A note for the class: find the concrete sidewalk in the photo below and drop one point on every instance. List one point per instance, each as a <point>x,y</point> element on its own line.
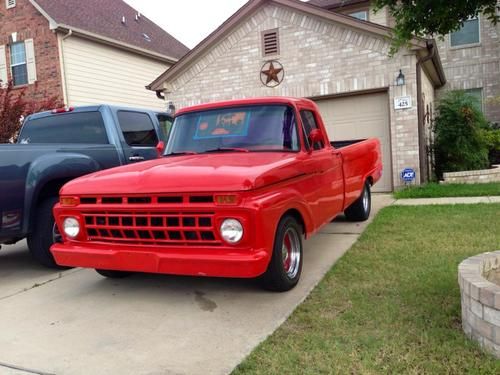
<point>451,200</point>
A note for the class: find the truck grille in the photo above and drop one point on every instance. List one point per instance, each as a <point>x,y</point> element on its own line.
<point>152,228</point>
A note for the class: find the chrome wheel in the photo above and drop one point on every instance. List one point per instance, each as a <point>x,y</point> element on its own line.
<point>290,252</point>
<point>56,235</point>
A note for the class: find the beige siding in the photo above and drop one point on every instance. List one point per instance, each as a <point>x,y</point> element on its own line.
<point>380,17</point>
<point>96,73</point>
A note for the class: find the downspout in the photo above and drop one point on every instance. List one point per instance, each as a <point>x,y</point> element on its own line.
<point>63,66</point>
<point>424,168</point>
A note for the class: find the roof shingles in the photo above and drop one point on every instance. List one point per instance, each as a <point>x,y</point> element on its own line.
<point>104,18</point>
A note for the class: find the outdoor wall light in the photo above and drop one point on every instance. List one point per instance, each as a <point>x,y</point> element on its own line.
<point>400,80</point>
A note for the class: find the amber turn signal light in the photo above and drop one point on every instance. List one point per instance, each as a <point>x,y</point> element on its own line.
<point>69,201</point>
<point>227,200</point>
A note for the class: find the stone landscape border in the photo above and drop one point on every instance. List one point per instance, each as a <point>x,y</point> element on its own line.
<point>473,177</point>
<point>481,300</point>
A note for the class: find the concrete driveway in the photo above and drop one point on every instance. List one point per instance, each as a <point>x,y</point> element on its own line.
<point>76,322</point>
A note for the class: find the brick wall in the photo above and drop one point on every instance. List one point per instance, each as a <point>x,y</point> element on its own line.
<point>30,24</point>
<point>320,58</point>
<point>476,66</point>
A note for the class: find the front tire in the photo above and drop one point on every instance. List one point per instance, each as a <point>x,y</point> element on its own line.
<point>360,209</point>
<point>285,266</point>
<point>44,234</point>
<point>112,274</point>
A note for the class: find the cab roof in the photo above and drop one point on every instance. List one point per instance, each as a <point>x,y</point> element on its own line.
<point>244,102</point>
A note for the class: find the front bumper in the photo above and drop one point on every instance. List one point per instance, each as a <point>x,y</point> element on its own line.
<point>193,261</point>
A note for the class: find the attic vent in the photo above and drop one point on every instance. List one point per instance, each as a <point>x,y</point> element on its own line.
<point>270,42</point>
<point>146,37</point>
<point>10,3</point>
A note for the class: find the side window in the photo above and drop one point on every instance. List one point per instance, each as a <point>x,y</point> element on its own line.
<point>81,127</point>
<point>137,128</point>
<point>309,124</point>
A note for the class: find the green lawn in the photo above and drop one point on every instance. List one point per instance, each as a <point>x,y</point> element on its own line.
<point>433,190</point>
<point>391,305</point>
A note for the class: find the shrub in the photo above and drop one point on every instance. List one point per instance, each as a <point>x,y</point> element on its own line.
<point>491,137</point>
<point>14,108</point>
<point>459,141</point>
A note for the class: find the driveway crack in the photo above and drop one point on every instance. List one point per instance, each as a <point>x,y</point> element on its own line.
<point>24,369</point>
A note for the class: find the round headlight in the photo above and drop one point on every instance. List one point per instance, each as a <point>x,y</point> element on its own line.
<point>231,230</point>
<point>71,227</point>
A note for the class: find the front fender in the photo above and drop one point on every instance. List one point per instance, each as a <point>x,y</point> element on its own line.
<point>53,167</point>
<point>275,204</point>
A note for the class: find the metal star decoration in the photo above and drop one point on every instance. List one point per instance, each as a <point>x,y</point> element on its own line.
<point>272,73</point>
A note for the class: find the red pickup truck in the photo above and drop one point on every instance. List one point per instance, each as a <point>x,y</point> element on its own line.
<point>241,182</point>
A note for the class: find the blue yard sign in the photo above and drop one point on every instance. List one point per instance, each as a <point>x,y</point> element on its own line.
<point>408,175</point>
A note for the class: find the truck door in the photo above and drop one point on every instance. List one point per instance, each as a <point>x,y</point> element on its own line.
<point>327,165</point>
<point>139,135</point>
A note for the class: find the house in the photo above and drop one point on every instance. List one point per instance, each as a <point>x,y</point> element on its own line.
<point>293,48</point>
<point>470,56</point>
<point>83,51</point>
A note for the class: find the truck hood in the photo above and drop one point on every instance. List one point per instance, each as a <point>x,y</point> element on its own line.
<point>221,172</point>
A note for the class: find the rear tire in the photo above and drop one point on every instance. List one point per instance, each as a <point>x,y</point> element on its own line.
<point>360,209</point>
<point>44,234</point>
<point>112,274</point>
<point>285,266</point>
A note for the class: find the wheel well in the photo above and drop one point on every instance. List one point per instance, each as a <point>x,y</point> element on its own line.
<point>297,216</point>
<point>51,189</point>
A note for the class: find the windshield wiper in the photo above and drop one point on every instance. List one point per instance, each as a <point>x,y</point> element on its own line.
<point>181,153</point>
<point>227,149</point>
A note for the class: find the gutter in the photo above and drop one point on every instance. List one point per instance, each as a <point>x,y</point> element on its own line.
<point>422,151</point>
<point>63,66</point>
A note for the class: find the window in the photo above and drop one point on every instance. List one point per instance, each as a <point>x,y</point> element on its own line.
<point>252,128</point>
<point>360,15</point>
<point>18,64</point>
<point>477,94</point>
<point>10,4</point>
<point>270,42</point>
<point>468,34</point>
<point>166,122</point>
<point>309,124</point>
<point>81,127</point>
<point>138,129</point>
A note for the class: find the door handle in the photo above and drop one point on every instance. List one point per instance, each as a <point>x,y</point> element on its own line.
<point>136,158</point>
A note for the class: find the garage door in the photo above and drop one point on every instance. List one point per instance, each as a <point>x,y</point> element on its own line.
<point>359,117</point>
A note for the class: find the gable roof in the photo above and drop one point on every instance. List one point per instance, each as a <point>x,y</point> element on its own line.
<point>103,20</point>
<point>249,8</point>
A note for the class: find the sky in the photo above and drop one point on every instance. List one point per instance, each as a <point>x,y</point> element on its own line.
<point>189,21</point>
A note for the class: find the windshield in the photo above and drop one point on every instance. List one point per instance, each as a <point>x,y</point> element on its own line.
<point>250,128</point>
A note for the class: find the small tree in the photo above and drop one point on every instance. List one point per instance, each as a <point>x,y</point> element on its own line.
<point>14,108</point>
<point>459,144</point>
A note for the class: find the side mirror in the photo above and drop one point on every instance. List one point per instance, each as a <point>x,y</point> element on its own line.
<point>160,148</point>
<point>315,136</point>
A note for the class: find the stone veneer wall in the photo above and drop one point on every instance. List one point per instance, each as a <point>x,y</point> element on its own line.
<point>320,57</point>
<point>479,278</point>
<point>473,177</point>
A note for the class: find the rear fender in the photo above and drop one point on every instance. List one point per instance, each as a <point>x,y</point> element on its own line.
<point>53,168</point>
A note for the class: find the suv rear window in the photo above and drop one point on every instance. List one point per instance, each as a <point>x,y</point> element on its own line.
<point>137,128</point>
<point>80,127</point>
